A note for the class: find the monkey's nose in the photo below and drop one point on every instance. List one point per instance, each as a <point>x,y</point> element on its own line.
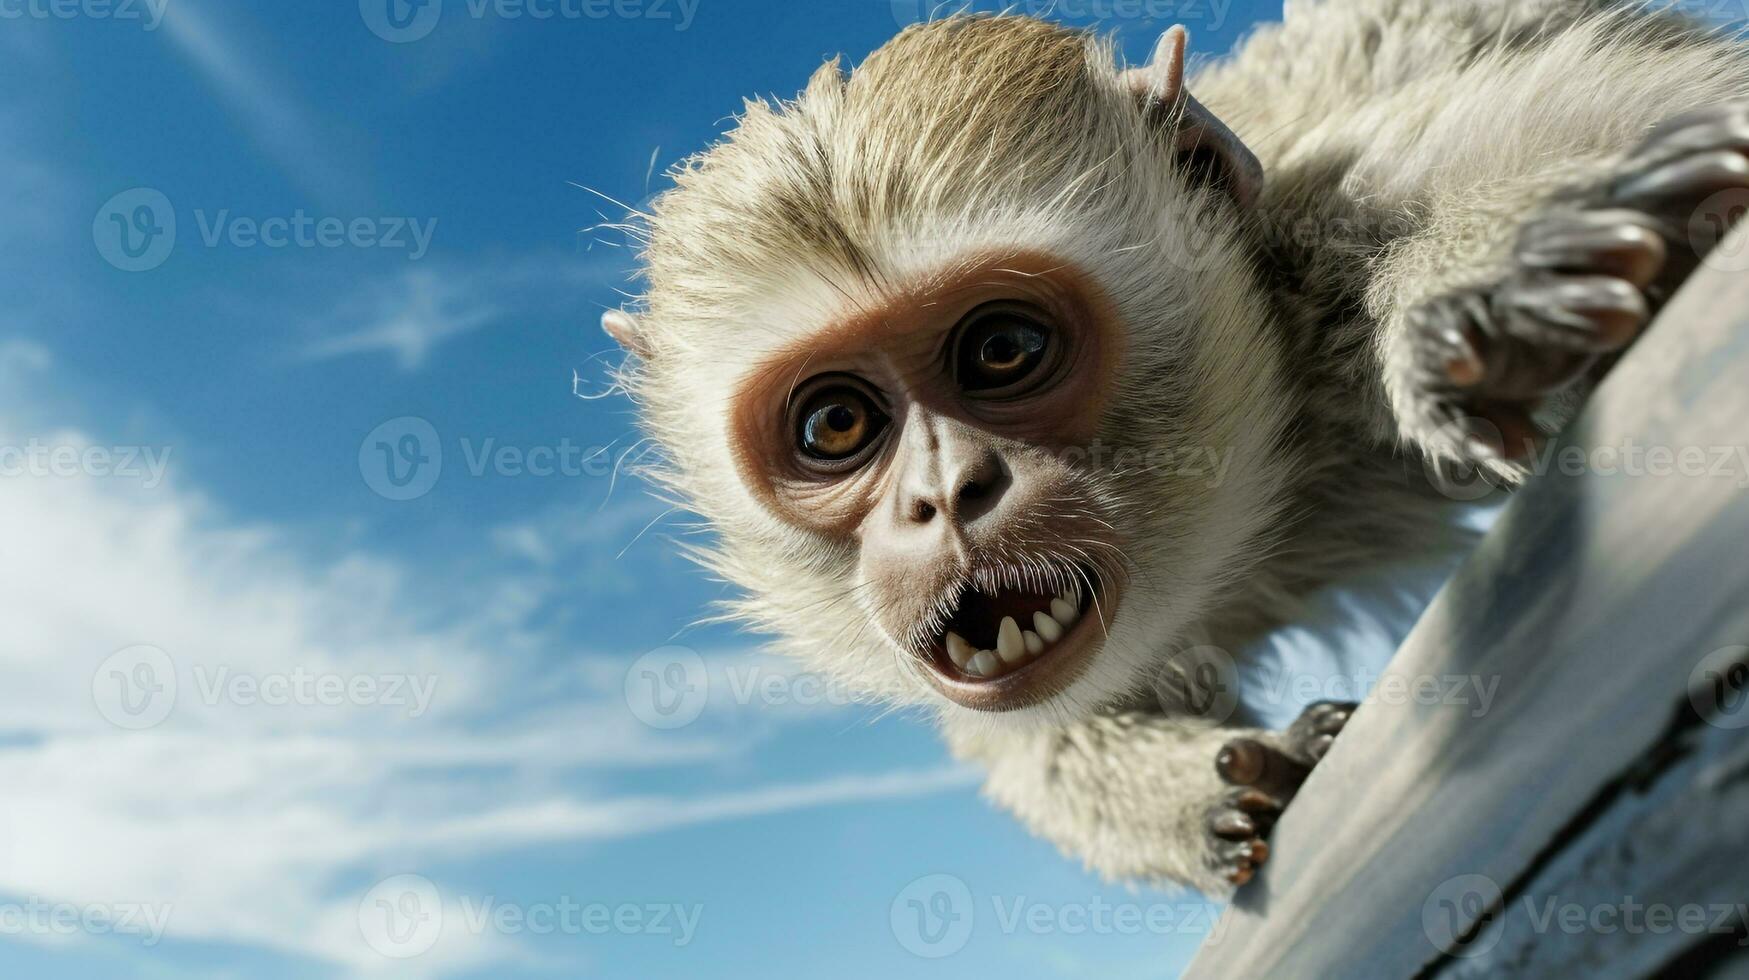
<point>973,491</point>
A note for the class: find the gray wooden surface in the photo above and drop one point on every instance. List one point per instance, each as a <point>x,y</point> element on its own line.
<point>1607,772</point>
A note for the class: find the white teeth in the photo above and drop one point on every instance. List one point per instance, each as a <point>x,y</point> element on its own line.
<point>1009,645</point>
<point>1015,645</point>
<point>1048,629</point>
<point>959,651</point>
<point>985,664</point>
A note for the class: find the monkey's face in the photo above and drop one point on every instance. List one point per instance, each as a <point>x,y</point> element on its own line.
<point>944,437</point>
<point>969,370</point>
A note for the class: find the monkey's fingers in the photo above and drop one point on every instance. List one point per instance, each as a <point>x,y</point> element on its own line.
<point>1250,763</point>
<point>1618,242</point>
<point>1244,858</point>
<point>1239,822</point>
<point>1315,731</point>
<point>1691,177</point>
<point>1558,316</point>
<point>1681,138</point>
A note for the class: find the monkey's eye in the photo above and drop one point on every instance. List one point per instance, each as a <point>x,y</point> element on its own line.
<point>838,420</point>
<point>1000,346</point>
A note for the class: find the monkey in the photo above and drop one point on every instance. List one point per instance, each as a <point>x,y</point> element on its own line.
<point>913,343</point>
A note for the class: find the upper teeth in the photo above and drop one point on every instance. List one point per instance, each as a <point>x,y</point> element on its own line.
<point>1016,646</point>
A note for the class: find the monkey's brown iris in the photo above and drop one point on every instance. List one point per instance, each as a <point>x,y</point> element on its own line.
<point>837,423</point>
<point>1000,346</point>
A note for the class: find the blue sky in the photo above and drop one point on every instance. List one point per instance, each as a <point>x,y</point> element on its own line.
<point>272,684</point>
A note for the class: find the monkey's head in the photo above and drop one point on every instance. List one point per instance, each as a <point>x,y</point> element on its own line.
<point>964,359</point>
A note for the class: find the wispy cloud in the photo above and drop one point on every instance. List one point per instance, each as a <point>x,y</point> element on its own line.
<point>262,104</point>
<point>409,314</point>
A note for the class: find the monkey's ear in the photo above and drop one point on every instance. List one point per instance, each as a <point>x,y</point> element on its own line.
<point>1205,144</point>
<point>624,329</point>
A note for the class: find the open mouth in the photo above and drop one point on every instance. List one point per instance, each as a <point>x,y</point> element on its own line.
<point>1010,647</point>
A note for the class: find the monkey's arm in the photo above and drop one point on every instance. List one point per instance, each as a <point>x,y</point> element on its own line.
<point>1144,796</point>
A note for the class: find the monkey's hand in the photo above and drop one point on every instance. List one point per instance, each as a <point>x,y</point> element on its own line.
<point>1584,280</point>
<point>1263,776</point>
<point>1145,796</point>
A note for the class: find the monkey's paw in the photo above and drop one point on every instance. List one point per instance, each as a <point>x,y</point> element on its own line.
<point>1264,777</point>
<point>1584,281</point>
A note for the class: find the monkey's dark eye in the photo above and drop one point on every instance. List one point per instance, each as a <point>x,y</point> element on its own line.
<point>837,421</point>
<point>1000,346</point>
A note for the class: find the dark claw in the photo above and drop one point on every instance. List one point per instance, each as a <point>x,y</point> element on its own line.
<point>1232,825</point>
<point>1255,801</point>
<point>1252,851</point>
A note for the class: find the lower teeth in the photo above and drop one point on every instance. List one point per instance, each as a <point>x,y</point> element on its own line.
<point>1016,647</point>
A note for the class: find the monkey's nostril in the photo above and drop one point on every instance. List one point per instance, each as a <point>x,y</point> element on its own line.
<point>973,490</point>
<point>922,511</point>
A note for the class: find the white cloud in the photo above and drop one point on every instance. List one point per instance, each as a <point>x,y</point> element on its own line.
<point>254,821</point>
